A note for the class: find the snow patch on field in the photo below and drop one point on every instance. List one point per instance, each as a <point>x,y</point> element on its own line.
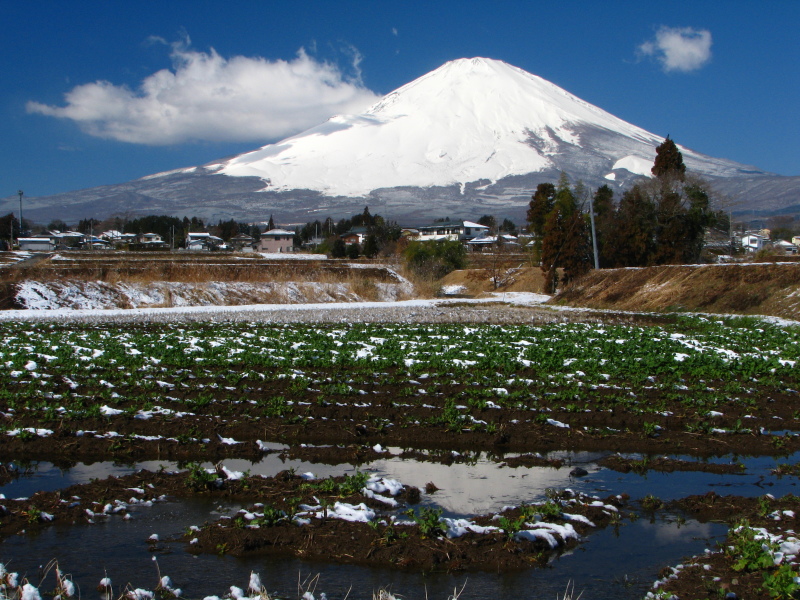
<point>92,295</point>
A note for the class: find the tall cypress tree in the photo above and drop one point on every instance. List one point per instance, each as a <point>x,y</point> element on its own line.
<point>632,239</point>
<point>565,240</point>
<point>669,161</point>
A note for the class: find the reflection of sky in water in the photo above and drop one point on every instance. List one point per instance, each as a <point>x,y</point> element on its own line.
<point>618,564</point>
<point>478,488</point>
<point>614,563</point>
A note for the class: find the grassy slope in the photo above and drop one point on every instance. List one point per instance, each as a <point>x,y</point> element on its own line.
<point>760,288</point>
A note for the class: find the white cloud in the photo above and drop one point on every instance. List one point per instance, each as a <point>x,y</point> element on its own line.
<point>679,48</point>
<point>207,97</point>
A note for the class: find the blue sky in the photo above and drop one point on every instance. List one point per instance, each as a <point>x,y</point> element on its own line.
<point>94,93</point>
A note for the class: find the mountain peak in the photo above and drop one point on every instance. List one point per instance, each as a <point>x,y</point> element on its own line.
<point>470,120</point>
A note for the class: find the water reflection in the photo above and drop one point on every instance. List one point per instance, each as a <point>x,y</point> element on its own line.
<point>477,487</point>
<point>614,563</point>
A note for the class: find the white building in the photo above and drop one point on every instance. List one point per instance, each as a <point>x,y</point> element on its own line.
<point>754,242</point>
<point>452,231</point>
<point>36,244</point>
<point>199,241</point>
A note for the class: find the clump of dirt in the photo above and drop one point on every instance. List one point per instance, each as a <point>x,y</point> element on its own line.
<point>265,529</point>
<point>532,460</point>
<point>747,288</point>
<point>664,464</point>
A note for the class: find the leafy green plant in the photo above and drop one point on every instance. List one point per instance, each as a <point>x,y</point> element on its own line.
<point>651,502</point>
<point>510,527</point>
<point>199,478</point>
<point>781,583</point>
<point>749,552</point>
<point>650,429</point>
<point>25,435</point>
<point>428,520</point>
<point>549,510</point>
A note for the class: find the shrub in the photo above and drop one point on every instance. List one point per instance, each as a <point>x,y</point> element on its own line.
<point>433,260</point>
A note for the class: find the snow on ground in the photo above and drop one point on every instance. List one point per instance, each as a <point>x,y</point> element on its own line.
<point>93,295</point>
<point>255,310</point>
<point>290,256</point>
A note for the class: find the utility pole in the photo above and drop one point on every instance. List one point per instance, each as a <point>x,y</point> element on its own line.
<point>20,192</point>
<point>594,234</point>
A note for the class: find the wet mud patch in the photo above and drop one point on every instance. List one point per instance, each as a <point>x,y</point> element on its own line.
<point>758,559</point>
<point>518,538</point>
<point>665,464</point>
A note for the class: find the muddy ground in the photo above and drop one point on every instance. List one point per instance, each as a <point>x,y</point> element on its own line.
<point>329,433</point>
<point>393,540</point>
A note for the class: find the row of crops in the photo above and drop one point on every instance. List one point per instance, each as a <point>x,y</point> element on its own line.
<point>449,375</point>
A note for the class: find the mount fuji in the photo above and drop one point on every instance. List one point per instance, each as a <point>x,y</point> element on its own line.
<point>472,137</point>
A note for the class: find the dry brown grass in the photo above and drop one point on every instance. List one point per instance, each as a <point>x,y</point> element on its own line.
<point>513,279</point>
<point>771,289</point>
<point>269,281</point>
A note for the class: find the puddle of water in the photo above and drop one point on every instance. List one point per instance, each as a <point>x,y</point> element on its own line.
<point>611,564</point>
<point>475,488</point>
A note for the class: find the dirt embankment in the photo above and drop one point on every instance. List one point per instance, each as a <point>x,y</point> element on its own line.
<point>751,288</point>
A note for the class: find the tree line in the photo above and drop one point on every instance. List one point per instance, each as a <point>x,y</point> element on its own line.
<point>380,235</point>
<point>659,221</point>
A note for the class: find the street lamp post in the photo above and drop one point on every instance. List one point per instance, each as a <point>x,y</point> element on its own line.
<point>20,215</point>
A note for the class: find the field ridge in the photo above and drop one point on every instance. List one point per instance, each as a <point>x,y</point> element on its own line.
<point>746,288</point>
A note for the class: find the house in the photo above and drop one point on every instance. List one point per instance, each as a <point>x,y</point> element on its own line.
<point>150,238</point>
<point>787,247</point>
<point>242,243</point>
<point>200,241</point>
<point>66,239</point>
<point>796,240</point>
<point>36,244</point>
<point>452,230</point>
<point>356,235</point>
<point>486,241</point>
<point>117,238</point>
<point>754,242</point>
<point>94,243</point>
<point>276,240</point>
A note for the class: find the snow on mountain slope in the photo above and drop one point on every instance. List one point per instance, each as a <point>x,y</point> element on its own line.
<point>469,120</point>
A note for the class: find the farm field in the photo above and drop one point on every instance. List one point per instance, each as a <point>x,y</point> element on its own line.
<point>583,427</point>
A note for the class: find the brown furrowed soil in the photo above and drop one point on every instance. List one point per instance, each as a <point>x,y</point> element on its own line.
<point>340,413</point>
<point>747,288</point>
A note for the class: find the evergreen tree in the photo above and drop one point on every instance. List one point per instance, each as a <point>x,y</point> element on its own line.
<point>509,227</point>
<point>339,249</point>
<point>632,239</point>
<point>669,161</point>
<point>540,206</point>
<point>9,227</point>
<point>270,224</point>
<point>488,221</point>
<point>353,251</point>
<point>565,240</point>
<point>603,205</point>
<point>371,247</point>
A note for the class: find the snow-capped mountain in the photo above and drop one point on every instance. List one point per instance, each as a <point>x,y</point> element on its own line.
<point>473,137</point>
<point>468,121</point>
